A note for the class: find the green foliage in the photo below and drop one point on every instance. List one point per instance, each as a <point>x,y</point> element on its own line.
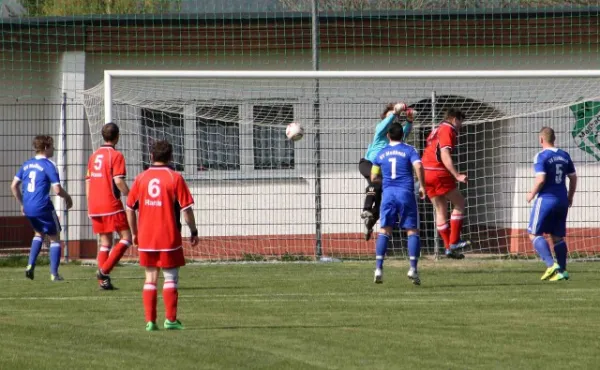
<point>369,5</point>
<point>91,7</point>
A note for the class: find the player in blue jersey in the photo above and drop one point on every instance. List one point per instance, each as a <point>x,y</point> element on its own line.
<point>549,211</point>
<point>395,164</point>
<point>372,202</point>
<point>37,175</point>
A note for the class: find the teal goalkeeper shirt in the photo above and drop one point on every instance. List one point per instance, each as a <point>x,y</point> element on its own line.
<point>380,139</point>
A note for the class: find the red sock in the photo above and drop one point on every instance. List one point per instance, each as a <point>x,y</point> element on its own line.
<point>149,298</point>
<point>456,222</point>
<point>103,255</point>
<point>444,231</point>
<point>170,297</point>
<point>115,256</point>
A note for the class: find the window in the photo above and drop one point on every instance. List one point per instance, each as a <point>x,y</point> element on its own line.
<point>272,150</point>
<point>159,125</point>
<point>218,137</point>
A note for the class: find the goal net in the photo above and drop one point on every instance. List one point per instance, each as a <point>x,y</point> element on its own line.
<point>260,196</point>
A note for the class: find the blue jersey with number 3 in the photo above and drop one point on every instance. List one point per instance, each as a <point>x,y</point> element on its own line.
<point>556,164</point>
<point>37,175</point>
<point>396,163</point>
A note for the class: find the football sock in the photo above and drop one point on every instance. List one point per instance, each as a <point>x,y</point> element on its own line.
<point>444,231</point>
<point>170,297</point>
<point>380,248</point>
<point>103,255</point>
<point>414,250</point>
<point>456,222</point>
<point>149,298</point>
<point>115,256</point>
<point>560,250</point>
<point>36,247</point>
<point>541,246</point>
<point>54,257</point>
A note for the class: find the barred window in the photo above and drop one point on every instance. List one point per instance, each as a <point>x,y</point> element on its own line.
<point>159,125</point>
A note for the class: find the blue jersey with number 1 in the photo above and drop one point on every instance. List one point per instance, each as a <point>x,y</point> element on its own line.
<point>37,175</point>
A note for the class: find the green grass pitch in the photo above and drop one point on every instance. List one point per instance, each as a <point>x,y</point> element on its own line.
<point>466,315</point>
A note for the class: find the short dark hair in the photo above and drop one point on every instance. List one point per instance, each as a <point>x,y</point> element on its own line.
<point>389,107</point>
<point>162,151</point>
<point>548,134</point>
<point>455,113</point>
<point>110,132</point>
<point>42,142</point>
<point>396,132</point>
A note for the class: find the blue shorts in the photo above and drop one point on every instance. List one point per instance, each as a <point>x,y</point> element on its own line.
<point>399,206</point>
<point>548,216</point>
<point>46,223</point>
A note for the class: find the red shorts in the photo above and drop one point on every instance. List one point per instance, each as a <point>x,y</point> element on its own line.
<point>438,183</point>
<point>163,259</point>
<point>111,223</point>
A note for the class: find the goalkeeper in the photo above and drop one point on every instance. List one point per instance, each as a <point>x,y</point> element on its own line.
<point>373,191</point>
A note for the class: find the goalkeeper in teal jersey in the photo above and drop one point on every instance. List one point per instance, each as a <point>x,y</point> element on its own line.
<point>373,191</point>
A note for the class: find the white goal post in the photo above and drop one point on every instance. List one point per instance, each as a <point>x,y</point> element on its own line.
<point>257,192</point>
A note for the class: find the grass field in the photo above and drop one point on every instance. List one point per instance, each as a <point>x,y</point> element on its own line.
<point>466,315</point>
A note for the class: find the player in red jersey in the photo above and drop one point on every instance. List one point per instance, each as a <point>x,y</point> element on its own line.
<point>440,181</point>
<point>158,194</point>
<point>105,182</point>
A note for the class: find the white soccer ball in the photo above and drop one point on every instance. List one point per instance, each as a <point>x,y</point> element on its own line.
<point>294,131</point>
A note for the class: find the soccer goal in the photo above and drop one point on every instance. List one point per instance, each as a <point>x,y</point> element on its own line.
<point>260,196</point>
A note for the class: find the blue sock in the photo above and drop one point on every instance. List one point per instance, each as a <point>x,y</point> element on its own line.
<point>36,247</point>
<point>541,246</point>
<point>54,257</point>
<point>414,250</point>
<point>381,247</point>
<point>560,250</point>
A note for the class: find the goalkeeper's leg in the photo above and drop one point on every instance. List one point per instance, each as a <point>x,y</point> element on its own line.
<point>364,167</point>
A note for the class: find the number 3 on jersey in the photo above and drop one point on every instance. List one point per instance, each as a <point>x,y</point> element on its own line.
<point>31,185</point>
<point>154,188</point>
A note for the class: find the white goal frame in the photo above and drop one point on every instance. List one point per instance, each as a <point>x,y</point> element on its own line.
<point>110,74</point>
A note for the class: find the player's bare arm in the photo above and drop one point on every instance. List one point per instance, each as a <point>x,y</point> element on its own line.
<point>132,220</point>
<point>15,188</point>
<point>540,179</point>
<point>60,191</point>
<point>420,173</point>
<point>121,185</point>
<point>572,187</point>
<point>449,164</point>
<point>190,220</point>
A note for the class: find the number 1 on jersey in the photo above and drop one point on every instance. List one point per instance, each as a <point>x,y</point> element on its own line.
<point>393,163</point>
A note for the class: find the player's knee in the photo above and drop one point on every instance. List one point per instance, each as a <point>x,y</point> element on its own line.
<point>151,275</point>
<point>386,231</point>
<point>533,236</point>
<point>410,232</point>
<point>171,274</point>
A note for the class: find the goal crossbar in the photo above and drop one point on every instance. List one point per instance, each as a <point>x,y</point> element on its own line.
<point>230,74</point>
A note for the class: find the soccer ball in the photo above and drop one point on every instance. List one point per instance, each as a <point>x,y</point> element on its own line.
<point>294,131</point>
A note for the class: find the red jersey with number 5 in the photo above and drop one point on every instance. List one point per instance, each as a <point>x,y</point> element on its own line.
<point>159,194</point>
<point>443,136</point>
<point>104,166</point>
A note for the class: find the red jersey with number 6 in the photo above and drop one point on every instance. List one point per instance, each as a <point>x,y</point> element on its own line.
<point>159,194</point>
<point>443,136</point>
<point>104,166</point>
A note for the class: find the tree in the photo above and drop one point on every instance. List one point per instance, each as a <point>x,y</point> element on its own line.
<point>90,7</point>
